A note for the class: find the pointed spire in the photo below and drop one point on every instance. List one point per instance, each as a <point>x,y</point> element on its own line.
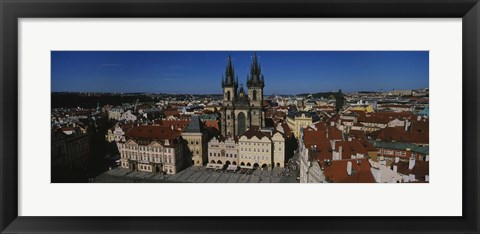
<point>229,72</point>
<point>255,72</point>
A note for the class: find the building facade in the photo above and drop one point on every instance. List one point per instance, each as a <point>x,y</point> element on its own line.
<point>196,139</point>
<point>152,149</point>
<point>69,153</point>
<point>241,109</point>
<point>261,148</point>
<point>299,120</point>
<point>223,151</point>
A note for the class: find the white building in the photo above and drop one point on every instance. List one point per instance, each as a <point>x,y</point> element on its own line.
<point>152,149</point>
<point>115,113</point>
<point>128,116</point>
<point>223,151</point>
<point>310,170</point>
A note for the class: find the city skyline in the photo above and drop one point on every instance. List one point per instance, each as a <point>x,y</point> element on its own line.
<point>197,72</point>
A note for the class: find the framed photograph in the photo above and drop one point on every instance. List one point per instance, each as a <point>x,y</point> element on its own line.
<point>257,116</point>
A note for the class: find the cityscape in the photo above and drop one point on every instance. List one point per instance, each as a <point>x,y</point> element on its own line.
<point>240,117</point>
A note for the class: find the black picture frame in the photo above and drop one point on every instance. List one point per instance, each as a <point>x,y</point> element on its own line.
<point>11,11</point>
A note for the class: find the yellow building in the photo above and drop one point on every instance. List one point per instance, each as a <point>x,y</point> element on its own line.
<point>364,108</point>
<point>297,121</point>
<point>261,149</point>
<point>109,137</point>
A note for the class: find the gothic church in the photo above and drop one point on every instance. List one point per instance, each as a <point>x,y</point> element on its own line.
<point>242,110</point>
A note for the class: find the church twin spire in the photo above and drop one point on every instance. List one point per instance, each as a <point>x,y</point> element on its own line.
<point>229,78</point>
<point>254,79</point>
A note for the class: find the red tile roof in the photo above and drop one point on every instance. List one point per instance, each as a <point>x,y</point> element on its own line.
<point>420,170</point>
<point>255,131</point>
<point>145,134</point>
<point>176,124</point>
<point>382,117</point>
<point>336,171</point>
<point>321,152</point>
<point>212,123</point>
<point>171,113</point>
<point>286,130</point>
<point>398,134</point>
<point>311,138</point>
<point>420,126</point>
<point>358,134</point>
<point>350,148</point>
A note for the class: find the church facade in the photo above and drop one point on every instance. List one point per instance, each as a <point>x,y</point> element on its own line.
<point>242,109</point>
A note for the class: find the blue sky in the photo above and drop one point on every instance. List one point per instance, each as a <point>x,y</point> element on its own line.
<point>200,72</point>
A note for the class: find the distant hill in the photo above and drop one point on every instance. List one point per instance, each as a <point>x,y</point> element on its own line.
<point>318,95</point>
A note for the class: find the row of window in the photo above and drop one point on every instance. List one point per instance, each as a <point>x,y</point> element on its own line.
<point>146,148</point>
<point>148,158</point>
<point>145,167</point>
<point>223,155</point>
<point>391,152</point>
<point>254,150</point>
<point>255,157</point>
<point>255,144</point>
<point>227,146</point>
<point>191,142</point>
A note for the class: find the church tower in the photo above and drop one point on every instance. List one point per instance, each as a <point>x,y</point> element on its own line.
<point>230,86</point>
<point>255,84</point>
<point>242,109</point>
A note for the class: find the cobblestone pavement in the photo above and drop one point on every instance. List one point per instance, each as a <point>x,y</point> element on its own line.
<point>195,174</point>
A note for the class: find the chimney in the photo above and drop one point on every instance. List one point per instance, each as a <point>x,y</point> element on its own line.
<point>349,168</point>
<point>419,118</point>
<point>340,152</point>
<point>395,168</point>
<point>411,163</point>
<point>397,159</point>
<point>332,123</point>
<point>349,138</point>
<point>427,158</point>
<point>406,125</point>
